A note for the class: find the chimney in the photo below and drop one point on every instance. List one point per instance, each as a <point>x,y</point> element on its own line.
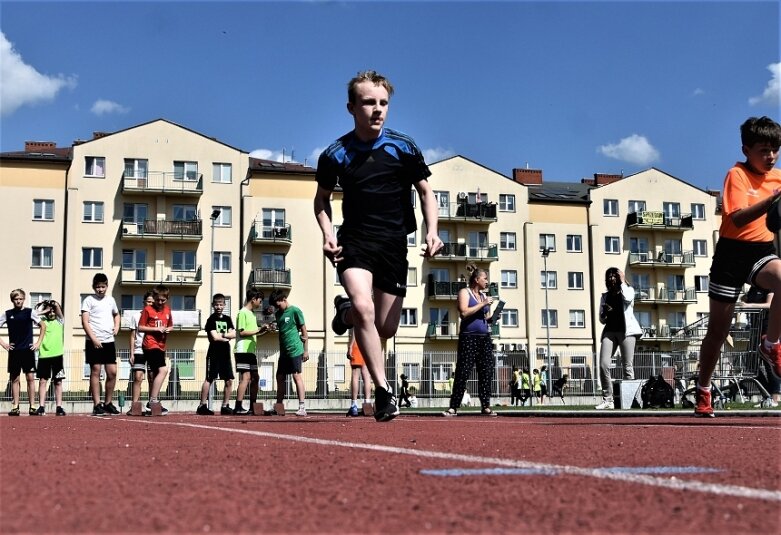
<point>529,177</point>
<point>98,135</point>
<point>600,179</point>
<point>39,146</point>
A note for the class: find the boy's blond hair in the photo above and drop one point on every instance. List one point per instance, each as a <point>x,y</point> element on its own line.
<point>368,76</point>
<point>16,293</point>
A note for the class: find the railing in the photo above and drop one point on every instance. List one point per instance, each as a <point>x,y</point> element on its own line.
<point>163,228</point>
<point>184,320</point>
<point>444,290</point>
<point>270,277</point>
<point>469,211</point>
<point>659,221</point>
<point>663,259</point>
<point>261,233</point>
<point>164,182</point>
<point>463,251</point>
<point>666,295</point>
<point>160,275</point>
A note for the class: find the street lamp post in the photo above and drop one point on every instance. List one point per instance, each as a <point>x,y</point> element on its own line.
<point>215,214</point>
<point>545,252</point>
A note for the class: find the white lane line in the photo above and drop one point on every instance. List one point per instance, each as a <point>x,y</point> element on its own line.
<point>598,473</point>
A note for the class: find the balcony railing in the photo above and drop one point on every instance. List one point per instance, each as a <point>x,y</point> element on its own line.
<point>659,221</point>
<point>274,278</point>
<point>477,212</point>
<point>270,234</point>
<point>444,289</point>
<point>149,275</point>
<point>163,182</point>
<point>163,229</point>
<point>662,259</point>
<point>462,252</point>
<point>184,320</point>
<point>661,332</point>
<point>442,331</point>
<point>666,295</point>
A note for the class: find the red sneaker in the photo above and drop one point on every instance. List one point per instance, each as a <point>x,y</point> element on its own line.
<point>772,357</point>
<point>702,404</point>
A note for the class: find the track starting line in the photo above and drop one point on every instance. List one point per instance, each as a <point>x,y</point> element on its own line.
<point>665,470</point>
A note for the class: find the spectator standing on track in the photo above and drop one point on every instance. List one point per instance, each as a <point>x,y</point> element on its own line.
<point>219,330</point>
<point>543,384</point>
<point>50,362</point>
<point>247,331</point>
<point>621,331</point>
<point>100,320</point>
<point>293,347</point>
<point>536,384</point>
<point>137,358</point>
<point>404,392</point>
<point>758,298</point>
<point>526,387</point>
<point>559,386</point>
<point>21,348</point>
<point>515,386</point>
<point>376,169</point>
<point>358,371</point>
<point>745,251</point>
<point>156,322</point>
<point>474,342</point>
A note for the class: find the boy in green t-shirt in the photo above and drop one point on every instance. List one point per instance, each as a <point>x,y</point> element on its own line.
<point>293,347</point>
<point>247,330</point>
<point>50,352</point>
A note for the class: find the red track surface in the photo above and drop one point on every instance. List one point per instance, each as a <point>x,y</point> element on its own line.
<point>188,474</point>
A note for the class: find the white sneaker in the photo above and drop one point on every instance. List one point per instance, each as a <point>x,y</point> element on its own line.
<point>606,404</point>
<point>301,412</point>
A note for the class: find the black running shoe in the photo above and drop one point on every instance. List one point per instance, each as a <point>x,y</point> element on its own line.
<point>240,411</point>
<point>41,411</point>
<point>98,410</point>
<point>203,410</point>
<point>110,409</point>
<point>14,411</point>
<point>163,410</point>
<point>342,303</point>
<point>226,410</point>
<point>33,412</point>
<point>385,408</point>
<point>60,411</point>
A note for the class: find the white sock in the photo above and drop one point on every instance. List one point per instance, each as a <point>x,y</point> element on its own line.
<point>301,405</point>
<point>705,388</point>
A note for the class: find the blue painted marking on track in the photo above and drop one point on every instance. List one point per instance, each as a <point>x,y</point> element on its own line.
<point>664,470</point>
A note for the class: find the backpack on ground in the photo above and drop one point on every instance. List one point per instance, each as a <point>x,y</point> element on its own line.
<point>657,393</point>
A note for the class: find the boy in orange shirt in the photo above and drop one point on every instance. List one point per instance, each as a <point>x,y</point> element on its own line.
<point>358,370</point>
<point>745,252</point>
<point>156,322</point>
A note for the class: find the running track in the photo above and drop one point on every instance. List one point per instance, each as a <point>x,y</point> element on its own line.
<point>331,474</point>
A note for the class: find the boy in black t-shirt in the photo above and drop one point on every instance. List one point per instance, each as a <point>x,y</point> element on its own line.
<point>220,331</point>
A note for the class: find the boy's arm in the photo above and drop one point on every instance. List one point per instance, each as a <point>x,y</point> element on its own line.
<point>2,343</point>
<point>305,339</point>
<point>88,330</point>
<point>41,334</point>
<point>325,220</point>
<point>430,208</point>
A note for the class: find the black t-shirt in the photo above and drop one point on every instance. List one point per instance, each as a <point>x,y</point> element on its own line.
<point>615,315</point>
<point>222,324</point>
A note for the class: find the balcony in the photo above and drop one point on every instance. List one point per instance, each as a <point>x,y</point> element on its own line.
<point>270,235</point>
<point>662,259</point>
<point>270,278</point>
<point>151,275</point>
<point>184,320</point>
<point>659,221</point>
<point>666,295</point>
<point>443,290</point>
<point>171,183</point>
<point>461,252</point>
<point>442,331</point>
<point>466,212</point>
<point>163,229</point>
<point>662,332</point>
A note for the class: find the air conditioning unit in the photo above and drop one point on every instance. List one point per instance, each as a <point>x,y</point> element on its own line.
<point>462,195</point>
<point>542,351</point>
<point>130,229</point>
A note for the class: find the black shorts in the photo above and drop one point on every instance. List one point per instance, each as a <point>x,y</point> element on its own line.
<point>139,363</point>
<point>218,367</point>
<point>736,263</point>
<point>20,360</point>
<point>100,355</point>
<point>290,365</point>
<point>246,362</point>
<point>386,259</point>
<point>49,367</point>
<point>155,359</point>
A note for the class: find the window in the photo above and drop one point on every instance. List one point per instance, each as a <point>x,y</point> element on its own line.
<point>441,371</point>
<point>186,171</point>
<point>672,209</point>
<point>409,317</point>
<point>642,284</point>
<point>643,318</point>
<point>411,370</point>
<point>506,202</point>
<point>548,279</point>
<point>575,280</point>
<point>184,360</point>
<point>93,212</point>
<point>550,318</point>
<point>131,302</point>
<point>548,241</point>
<point>444,235</point>
<point>701,283</point>
<point>37,297</point>
<point>228,310</point>
<point>578,360</point>
<point>440,318</point>
<point>411,238</point>
<point>221,262</point>
<point>134,213</point>
<point>612,244</point>
<point>672,247</point>
<point>183,261</point>
<point>577,319</point>
<point>275,261</point>
<point>412,276</point>
<point>700,248</point>
<point>509,317</point>
<point>136,168</point>
<point>610,207</point>
<point>574,243</point>
<point>440,274</point>
<point>42,257</point>
<point>478,244</point>
<point>182,302</point>
<point>43,210</point>
<point>639,246</point>
<point>443,202</point>
<point>225,219</point>
<point>91,257</point>
<point>222,173</point>
<point>636,206</point>
<point>698,211</point>
<point>95,166</point>
<point>507,241</point>
<point>676,321</point>
<point>509,278</point>
<point>185,212</point>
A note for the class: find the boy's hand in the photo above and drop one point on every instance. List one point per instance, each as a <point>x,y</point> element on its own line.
<point>332,251</point>
<point>7,347</point>
<point>433,245</point>
<point>306,356</point>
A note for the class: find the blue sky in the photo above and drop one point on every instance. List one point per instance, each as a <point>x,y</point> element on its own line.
<point>571,88</point>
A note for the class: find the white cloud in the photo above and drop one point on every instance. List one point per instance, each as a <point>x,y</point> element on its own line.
<point>273,155</point>
<point>697,92</point>
<point>633,149</point>
<point>104,107</point>
<point>772,93</point>
<point>437,154</point>
<point>21,84</point>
